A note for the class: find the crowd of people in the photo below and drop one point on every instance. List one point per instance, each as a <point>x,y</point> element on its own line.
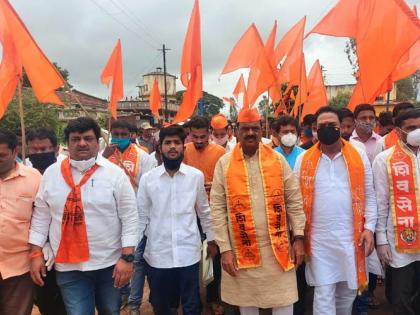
<point>331,202</point>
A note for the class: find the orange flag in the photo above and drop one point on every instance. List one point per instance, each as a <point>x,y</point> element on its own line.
<point>317,95</point>
<point>154,100</point>
<point>241,88</point>
<point>113,71</point>
<point>20,49</point>
<point>191,68</point>
<point>302,94</point>
<point>245,52</point>
<point>286,43</point>
<point>380,46</point>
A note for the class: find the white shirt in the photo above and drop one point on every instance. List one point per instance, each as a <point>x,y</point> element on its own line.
<point>385,225</point>
<point>109,205</point>
<point>169,207</point>
<point>332,238</point>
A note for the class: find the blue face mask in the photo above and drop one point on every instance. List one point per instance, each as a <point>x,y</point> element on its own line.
<point>122,143</point>
<point>308,132</point>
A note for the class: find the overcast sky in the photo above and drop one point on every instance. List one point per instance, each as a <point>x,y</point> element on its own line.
<point>80,35</point>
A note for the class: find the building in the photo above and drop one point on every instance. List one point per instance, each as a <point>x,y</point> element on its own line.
<point>139,106</point>
<point>96,107</point>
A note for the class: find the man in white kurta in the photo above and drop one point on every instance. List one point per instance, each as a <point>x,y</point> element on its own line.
<point>332,265</point>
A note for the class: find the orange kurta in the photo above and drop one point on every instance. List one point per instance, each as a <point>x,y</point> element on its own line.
<point>204,160</point>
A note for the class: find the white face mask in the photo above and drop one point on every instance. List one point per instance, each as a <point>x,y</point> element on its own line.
<point>221,141</point>
<point>413,137</point>
<point>289,140</point>
<point>84,165</point>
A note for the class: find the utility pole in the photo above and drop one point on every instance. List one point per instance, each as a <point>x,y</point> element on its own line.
<point>163,50</point>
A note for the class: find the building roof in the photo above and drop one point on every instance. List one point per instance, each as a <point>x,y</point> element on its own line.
<point>84,98</point>
<point>159,73</point>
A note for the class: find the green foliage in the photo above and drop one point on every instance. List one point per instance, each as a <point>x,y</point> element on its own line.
<point>103,120</point>
<point>341,99</point>
<point>35,114</point>
<point>212,104</point>
<point>406,90</point>
<point>350,51</point>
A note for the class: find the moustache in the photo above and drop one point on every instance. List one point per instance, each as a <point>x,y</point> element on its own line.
<point>250,138</point>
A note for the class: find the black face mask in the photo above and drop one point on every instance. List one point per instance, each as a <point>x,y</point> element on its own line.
<point>41,161</point>
<point>172,164</point>
<point>346,136</point>
<point>328,135</point>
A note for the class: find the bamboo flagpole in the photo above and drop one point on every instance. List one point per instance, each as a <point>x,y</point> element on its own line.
<point>22,121</point>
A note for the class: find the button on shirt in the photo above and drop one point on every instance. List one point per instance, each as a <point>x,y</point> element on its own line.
<point>292,156</point>
<point>169,207</point>
<point>17,194</point>
<point>385,226</point>
<point>370,144</point>
<point>109,205</point>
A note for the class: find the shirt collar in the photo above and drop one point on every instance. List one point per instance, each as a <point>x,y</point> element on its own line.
<point>19,170</point>
<point>373,136</point>
<point>162,170</point>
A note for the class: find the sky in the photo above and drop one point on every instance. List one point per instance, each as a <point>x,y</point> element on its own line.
<point>80,34</point>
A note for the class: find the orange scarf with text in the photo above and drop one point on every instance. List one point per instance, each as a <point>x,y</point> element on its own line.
<point>129,160</point>
<point>241,213</point>
<point>404,199</point>
<point>74,246</point>
<point>355,170</point>
<point>391,139</point>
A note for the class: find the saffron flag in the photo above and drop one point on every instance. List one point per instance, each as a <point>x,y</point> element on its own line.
<point>20,49</point>
<point>113,71</point>
<point>380,45</point>
<point>302,93</point>
<point>317,95</point>
<point>287,42</point>
<point>154,99</point>
<point>245,51</point>
<point>241,88</point>
<point>191,68</point>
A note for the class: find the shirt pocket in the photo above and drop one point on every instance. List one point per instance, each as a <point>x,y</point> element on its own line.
<point>100,194</point>
<point>24,207</point>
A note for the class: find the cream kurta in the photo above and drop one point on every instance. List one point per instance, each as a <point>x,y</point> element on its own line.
<point>266,286</point>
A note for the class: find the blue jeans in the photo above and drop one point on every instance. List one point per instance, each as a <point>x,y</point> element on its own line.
<point>83,290</point>
<point>168,284</point>
<point>139,275</point>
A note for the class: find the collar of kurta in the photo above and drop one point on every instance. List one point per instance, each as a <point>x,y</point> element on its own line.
<point>162,170</point>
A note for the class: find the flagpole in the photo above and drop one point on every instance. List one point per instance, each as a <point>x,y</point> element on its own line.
<point>266,113</point>
<point>387,100</point>
<point>22,121</point>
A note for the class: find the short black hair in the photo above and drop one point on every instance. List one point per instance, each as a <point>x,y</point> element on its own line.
<point>120,123</point>
<point>345,113</point>
<point>42,133</point>
<point>133,128</point>
<point>308,120</point>
<point>172,131</point>
<point>9,138</point>
<point>327,109</point>
<point>401,107</point>
<point>412,114</point>
<point>286,121</point>
<point>361,107</point>
<point>82,124</point>
<point>385,119</point>
<point>199,122</point>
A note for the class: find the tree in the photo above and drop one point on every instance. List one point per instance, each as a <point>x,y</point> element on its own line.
<point>407,88</point>
<point>211,104</point>
<point>35,114</point>
<point>341,99</point>
<point>350,51</point>
<point>64,73</point>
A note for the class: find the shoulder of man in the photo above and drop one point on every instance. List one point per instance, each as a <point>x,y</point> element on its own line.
<point>29,171</point>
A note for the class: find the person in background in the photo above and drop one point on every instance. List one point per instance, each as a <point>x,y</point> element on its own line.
<point>347,123</point>
<point>274,137</point>
<point>18,187</point>
<point>314,139</point>
<point>43,151</point>
<point>219,131</point>
<point>133,133</point>
<point>87,208</point>
<point>306,132</point>
<point>287,131</point>
<point>231,133</point>
<point>397,181</point>
<point>385,122</point>
<point>365,118</point>
<point>173,253</point>
<point>147,138</point>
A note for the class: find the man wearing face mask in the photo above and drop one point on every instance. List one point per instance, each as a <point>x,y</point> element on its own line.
<point>43,152</point>
<point>287,133</point>
<point>397,181</point>
<point>364,115</point>
<point>219,132</point>
<point>173,248</point>
<point>340,205</point>
<point>87,208</point>
<point>255,199</point>
<point>18,187</point>
<point>310,123</point>
<point>147,139</point>
<point>200,153</point>
<point>43,149</point>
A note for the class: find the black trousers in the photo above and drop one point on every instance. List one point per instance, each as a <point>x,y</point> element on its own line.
<point>299,306</point>
<point>213,289</point>
<point>405,286</point>
<point>48,298</point>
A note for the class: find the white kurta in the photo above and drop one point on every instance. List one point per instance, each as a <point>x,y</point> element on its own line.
<point>332,239</point>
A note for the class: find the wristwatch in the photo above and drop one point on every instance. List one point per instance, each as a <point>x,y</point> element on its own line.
<point>298,237</point>
<point>128,258</point>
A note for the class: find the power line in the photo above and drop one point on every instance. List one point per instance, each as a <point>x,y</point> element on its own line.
<point>123,25</point>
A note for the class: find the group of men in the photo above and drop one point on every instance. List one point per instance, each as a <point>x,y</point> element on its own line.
<point>277,213</point>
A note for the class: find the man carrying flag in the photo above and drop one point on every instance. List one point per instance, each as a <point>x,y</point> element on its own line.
<point>254,199</point>
<point>397,181</point>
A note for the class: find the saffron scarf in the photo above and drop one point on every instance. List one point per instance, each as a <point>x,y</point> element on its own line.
<point>391,139</point>
<point>74,246</point>
<point>240,208</point>
<point>355,171</point>
<point>128,161</point>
